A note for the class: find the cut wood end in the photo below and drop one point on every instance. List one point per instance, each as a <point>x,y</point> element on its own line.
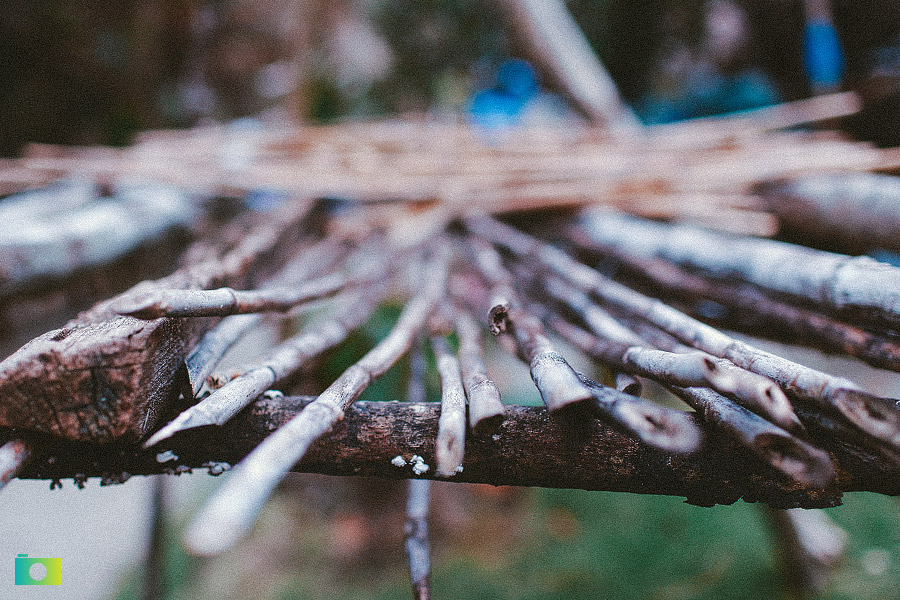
<point>558,383</point>
<point>805,464</point>
<point>877,416</point>
<point>498,317</point>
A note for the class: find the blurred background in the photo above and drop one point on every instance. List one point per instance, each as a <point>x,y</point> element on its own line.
<point>85,72</point>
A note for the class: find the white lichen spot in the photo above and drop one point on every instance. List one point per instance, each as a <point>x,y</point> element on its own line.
<point>166,456</point>
<point>272,395</point>
<point>420,467</point>
<point>398,461</point>
<point>459,469</point>
<point>496,437</point>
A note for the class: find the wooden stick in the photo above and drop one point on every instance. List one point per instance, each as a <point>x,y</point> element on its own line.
<point>14,454</point>
<point>532,448</point>
<point>854,211</point>
<point>753,311</point>
<point>103,376</point>
<point>811,547</point>
<point>222,302</point>
<point>807,465</point>
<point>663,428</point>
<point>674,365</point>
<point>561,47</point>
<point>419,493</point>
<point>203,359</point>
<point>234,507</point>
<point>154,587</point>
<point>451,439</point>
<point>416,531</point>
<point>556,380</point>
<point>857,287</point>
<point>486,410</point>
<point>873,415</point>
<point>213,346</point>
<point>285,360</point>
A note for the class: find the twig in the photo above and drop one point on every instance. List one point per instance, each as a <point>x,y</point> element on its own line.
<point>663,428</point>
<point>451,438</point>
<point>856,211</point>
<point>213,346</point>
<point>103,376</point>
<point>416,531</point>
<point>873,415</point>
<point>811,546</point>
<point>222,302</point>
<point>88,231</point>
<point>418,498</point>
<point>234,507</point>
<point>206,355</point>
<point>557,382</point>
<point>282,362</point>
<point>857,287</point>
<point>672,365</point>
<point>751,310</point>
<point>559,44</point>
<point>486,410</point>
<point>154,569</point>
<point>802,462</point>
<point>13,456</point>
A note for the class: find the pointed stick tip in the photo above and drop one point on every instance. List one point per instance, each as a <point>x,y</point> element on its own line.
<point>180,423</point>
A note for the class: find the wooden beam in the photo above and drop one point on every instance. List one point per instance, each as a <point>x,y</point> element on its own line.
<point>531,448</point>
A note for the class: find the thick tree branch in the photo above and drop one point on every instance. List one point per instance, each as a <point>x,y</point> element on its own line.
<point>530,448</point>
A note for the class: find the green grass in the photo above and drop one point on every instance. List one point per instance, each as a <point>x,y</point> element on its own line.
<point>567,544</point>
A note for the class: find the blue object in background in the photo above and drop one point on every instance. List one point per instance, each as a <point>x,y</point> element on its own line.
<point>503,105</point>
<point>823,56</point>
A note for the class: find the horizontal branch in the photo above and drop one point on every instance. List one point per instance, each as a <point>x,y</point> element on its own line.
<point>530,448</point>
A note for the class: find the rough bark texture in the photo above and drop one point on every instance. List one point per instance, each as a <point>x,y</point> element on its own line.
<point>856,287</point>
<point>103,376</point>
<point>851,211</point>
<point>531,448</point>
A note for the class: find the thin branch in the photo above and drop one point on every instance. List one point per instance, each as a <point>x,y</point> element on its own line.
<point>486,410</point>
<point>807,465</point>
<point>561,47</point>
<point>858,287</point>
<point>103,376</point>
<point>751,310</point>
<point>851,210</point>
<point>212,347</point>
<point>811,547</point>
<point>154,568</point>
<point>873,415</point>
<point>664,428</point>
<point>416,530</point>
<point>222,302</point>
<point>451,438</point>
<point>286,359</point>
<point>234,507</point>
<point>206,355</point>
<point>673,366</point>
<point>556,380</point>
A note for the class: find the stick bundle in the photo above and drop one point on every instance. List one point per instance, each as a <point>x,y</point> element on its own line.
<point>754,424</point>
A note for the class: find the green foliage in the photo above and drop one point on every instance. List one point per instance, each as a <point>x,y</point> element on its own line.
<point>573,544</point>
